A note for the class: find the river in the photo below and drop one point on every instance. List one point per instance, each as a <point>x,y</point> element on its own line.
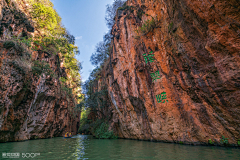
<point>85,147</point>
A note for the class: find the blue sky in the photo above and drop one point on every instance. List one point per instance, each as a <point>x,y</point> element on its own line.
<point>84,19</point>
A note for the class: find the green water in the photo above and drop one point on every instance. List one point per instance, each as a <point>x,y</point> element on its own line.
<point>85,147</point>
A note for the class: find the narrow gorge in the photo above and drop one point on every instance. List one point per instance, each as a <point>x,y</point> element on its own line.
<point>168,71</point>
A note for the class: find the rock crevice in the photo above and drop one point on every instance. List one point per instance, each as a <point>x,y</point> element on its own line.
<point>189,91</point>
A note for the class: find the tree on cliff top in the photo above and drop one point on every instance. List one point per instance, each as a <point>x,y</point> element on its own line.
<point>111,12</point>
<point>96,94</point>
<point>103,48</point>
<point>95,98</point>
<point>102,51</point>
<point>53,38</point>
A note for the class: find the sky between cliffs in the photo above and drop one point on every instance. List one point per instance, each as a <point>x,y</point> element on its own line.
<point>84,19</point>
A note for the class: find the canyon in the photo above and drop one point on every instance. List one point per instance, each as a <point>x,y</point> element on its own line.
<point>173,74</point>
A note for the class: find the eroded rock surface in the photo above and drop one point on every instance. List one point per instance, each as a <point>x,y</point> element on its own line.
<point>196,48</point>
<point>30,106</point>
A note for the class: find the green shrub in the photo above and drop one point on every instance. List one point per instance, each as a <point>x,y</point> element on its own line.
<point>84,122</point>
<point>18,44</point>
<point>27,54</point>
<point>45,16</point>
<point>131,8</point>
<point>120,8</point>
<point>210,142</point>
<point>224,141</point>
<point>148,26</point>
<point>85,128</point>
<point>19,47</point>
<point>8,44</point>
<point>102,132</point>
<point>238,142</point>
<point>41,67</point>
<point>16,65</point>
<point>54,39</point>
<point>98,128</point>
<point>170,26</point>
<point>37,68</point>
<point>140,13</point>
<point>67,90</point>
<point>26,41</point>
<point>62,79</point>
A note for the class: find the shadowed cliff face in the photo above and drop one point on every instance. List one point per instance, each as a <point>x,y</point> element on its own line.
<point>189,89</point>
<point>31,106</point>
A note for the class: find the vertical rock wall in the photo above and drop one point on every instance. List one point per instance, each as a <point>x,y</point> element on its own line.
<point>30,106</point>
<point>195,47</point>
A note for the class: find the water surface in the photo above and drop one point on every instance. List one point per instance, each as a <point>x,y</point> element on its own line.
<point>85,147</point>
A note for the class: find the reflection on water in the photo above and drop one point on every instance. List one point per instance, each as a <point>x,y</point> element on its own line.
<point>85,147</point>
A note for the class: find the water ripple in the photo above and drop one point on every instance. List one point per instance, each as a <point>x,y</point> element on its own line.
<point>83,147</point>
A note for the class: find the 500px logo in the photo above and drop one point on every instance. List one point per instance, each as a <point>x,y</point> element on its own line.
<point>30,155</point>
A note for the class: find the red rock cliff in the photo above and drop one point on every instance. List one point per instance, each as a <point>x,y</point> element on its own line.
<point>30,107</point>
<point>189,89</point>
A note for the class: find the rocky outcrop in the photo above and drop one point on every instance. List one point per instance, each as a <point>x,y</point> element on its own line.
<point>174,71</point>
<point>31,106</point>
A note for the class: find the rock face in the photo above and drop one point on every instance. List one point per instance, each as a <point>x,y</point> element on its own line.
<point>30,106</point>
<point>195,48</point>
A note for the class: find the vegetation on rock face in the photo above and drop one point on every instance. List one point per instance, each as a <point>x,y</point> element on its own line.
<point>148,26</point>
<point>8,44</point>
<point>125,7</point>
<point>210,142</point>
<point>96,96</point>
<point>104,47</point>
<point>224,140</point>
<point>45,16</point>
<point>140,13</point>
<point>84,126</point>
<point>22,58</point>
<point>41,67</point>
<point>101,131</point>
<point>102,53</point>
<point>99,128</point>
<point>111,12</point>
<point>54,40</point>
<point>170,26</point>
